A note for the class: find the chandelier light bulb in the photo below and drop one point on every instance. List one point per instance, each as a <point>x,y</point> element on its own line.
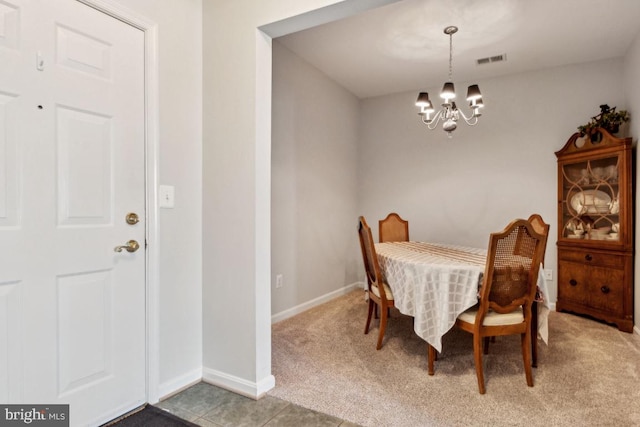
<point>473,93</point>
<point>423,100</point>
<point>448,91</point>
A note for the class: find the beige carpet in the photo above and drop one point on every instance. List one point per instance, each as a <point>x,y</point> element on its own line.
<point>588,375</point>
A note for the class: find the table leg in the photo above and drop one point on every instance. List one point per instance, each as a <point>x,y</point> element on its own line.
<point>432,355</point>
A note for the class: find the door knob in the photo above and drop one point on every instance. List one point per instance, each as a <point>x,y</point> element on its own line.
<point>131,246</point>
<point>132,218</point>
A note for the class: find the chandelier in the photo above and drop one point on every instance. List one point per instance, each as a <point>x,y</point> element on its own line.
<point>449,114</point>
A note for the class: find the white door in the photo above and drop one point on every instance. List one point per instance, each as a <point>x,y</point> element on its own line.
<point>72,310</point>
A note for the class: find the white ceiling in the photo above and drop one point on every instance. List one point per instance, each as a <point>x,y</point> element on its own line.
<point>402,46</point>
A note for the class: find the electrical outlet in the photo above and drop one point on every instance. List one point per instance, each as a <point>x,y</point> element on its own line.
<point>548,274</point>
<point>279,281</point>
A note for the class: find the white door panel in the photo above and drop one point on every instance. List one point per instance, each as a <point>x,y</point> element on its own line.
<point>72,310</point>
<point>12,140</point>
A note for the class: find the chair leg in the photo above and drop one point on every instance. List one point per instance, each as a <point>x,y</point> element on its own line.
<point>487,340</point>
<point>534,334</point>
<point>383,326</point>
<point>534,351</point>
<point>477,356</point>
<point>366,326</point>
<point>431,358</point>
<point>526,352</point>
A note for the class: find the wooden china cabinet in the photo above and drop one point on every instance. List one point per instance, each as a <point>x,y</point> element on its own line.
<point>595,228</point>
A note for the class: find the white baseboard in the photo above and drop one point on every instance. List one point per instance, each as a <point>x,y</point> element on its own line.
<point>176,385</point>
<point>239,385</point>
<point>314,302</point>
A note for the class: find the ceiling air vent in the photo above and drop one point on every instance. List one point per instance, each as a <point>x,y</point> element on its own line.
<point>492,59</point>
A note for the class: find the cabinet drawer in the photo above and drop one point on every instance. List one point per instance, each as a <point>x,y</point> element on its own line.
<point>600,288</point>
<point>572,284</point>
<point>592,258</point>
<point>606,289</point>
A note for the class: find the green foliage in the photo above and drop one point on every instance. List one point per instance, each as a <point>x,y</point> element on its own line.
<point>608,119</point>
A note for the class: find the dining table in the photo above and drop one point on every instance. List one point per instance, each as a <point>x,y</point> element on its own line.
<point>436,282</point>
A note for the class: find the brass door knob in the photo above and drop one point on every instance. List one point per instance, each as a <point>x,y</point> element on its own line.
<point>131,246</point>
<point>132,218</point>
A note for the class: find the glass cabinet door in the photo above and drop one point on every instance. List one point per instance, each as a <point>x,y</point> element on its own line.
<point>591,199</point>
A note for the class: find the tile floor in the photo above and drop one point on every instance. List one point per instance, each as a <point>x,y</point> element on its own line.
<point>211,406</point>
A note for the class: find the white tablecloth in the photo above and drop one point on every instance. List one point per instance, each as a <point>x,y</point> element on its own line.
<point>434,283</point>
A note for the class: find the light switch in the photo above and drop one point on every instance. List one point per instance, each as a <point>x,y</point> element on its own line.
<point>167,196</point>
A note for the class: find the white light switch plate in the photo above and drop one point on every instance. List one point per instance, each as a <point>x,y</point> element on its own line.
<point>166,196</point>
<point>548,274</point>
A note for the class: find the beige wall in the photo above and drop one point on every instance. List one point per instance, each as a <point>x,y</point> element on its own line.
<point>236,181</point>
<point>314,201</point>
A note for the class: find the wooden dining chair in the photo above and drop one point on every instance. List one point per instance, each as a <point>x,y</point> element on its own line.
<point>393,229</point>
<point>542,228</point>
<point>380,295</point>
<point>506,295</point>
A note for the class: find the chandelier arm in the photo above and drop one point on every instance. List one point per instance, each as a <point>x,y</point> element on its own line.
<point>436,119</point>
<point>471,121</point>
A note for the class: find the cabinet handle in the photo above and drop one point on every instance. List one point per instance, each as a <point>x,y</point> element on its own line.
<point>588,257</point>
<point>605,289</point>
<point>573,282</point>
